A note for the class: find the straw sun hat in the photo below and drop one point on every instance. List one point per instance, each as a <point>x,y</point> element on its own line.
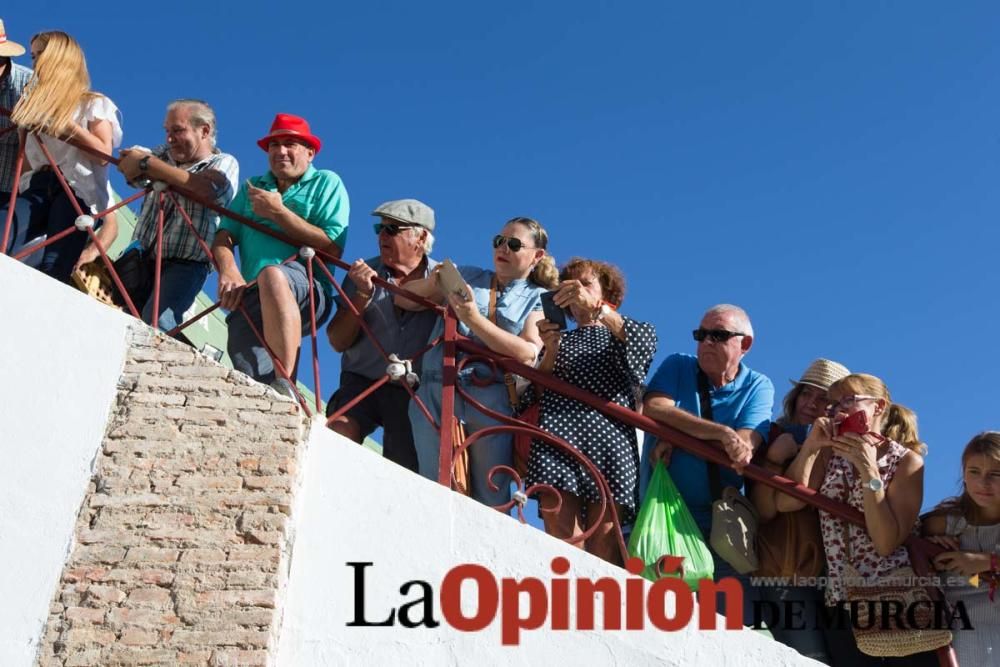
<point>8,48</point>
<point>822,373</point>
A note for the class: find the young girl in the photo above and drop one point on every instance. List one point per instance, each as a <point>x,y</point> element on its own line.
<point>59,104</point>
<point>969,527</point>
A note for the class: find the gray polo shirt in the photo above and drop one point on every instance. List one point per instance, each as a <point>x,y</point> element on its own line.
<point>404,332</point>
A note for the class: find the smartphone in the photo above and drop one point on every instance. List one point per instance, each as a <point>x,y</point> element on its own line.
<point>856,423</point>
<point>451,280</point>
<point>552,312</point>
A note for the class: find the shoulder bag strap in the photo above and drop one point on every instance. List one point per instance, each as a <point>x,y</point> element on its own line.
<point>714,474</point>
<point>491,315</point>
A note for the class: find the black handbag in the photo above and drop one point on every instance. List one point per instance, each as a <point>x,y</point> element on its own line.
<point>135,270</point>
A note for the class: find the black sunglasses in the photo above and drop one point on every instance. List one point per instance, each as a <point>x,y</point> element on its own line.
<point>714,335</point>
<point>513,244</point>
<point>391,229</point>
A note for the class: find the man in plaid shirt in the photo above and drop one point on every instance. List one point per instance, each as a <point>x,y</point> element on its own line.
<point>189,160</point>
<point>13,79</point>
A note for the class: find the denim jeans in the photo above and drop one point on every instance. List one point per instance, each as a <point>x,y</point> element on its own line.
<point>180,282</point>
<point>484,454</point>
<point>248,354</point>
<point>42,211</point>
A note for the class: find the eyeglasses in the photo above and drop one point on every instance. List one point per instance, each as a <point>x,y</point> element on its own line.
<point>514,244</point>
<point>715,335</point>
<point>391,229</point>
<point>847,402</point>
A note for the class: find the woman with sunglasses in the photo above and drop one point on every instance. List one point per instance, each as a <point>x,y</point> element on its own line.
<point>789,544</point>
<point>880,472</point>
<point>499,309</point>
<point>59,103</point>
<point>609,355</point>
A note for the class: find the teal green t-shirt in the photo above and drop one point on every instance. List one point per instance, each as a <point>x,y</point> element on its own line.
<point>319,198</point>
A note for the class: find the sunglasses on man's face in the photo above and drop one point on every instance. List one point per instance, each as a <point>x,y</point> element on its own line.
<point>513,244</point>
<point>714,335</point>
<point>391,229</point>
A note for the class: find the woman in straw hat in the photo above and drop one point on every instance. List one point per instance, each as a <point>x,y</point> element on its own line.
<point>790,544</point>
<point>58,102</point>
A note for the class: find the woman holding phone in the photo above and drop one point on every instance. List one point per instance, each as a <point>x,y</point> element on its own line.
<point>866,453</point>
<point>58,102</point>
<point>609,355</point>
<point>499,309</point>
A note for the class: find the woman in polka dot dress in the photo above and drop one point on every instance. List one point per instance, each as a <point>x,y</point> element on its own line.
<point>880,473</point>
<point>607,354</point>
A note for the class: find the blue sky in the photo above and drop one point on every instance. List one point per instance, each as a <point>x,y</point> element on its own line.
<point>831,167</point>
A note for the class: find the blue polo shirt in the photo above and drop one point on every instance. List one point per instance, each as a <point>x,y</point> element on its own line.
<point>404,332</point>
<point>319,198</point>
<point>746,402</point>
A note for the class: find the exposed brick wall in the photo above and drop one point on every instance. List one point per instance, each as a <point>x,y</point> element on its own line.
<point>181,543</point>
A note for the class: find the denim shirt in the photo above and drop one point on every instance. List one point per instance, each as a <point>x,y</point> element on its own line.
<point>515,301</point>
<point>401,331</point>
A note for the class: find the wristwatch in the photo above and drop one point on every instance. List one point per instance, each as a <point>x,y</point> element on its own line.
<point>602,312</point>
<point>876,484</point>
<point>144,163</point>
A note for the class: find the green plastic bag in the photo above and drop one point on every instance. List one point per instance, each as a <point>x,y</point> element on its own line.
<point>665,527</point>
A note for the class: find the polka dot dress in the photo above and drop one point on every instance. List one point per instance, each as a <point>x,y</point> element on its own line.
<point>591,358</point>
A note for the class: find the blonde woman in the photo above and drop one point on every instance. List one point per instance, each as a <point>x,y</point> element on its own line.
<point>499,309</point>
<point>59,105</point>
<point>879,472</point>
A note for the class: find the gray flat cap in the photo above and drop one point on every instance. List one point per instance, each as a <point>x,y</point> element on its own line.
<point>412,211</point>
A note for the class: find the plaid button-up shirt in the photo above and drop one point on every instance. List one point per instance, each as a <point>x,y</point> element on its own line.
<point>11,86</point>
<point>179,241</point>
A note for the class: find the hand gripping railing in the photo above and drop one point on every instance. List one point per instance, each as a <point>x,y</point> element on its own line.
<point>453,344</point>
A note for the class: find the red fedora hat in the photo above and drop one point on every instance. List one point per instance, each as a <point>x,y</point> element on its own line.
<point>285,126</point>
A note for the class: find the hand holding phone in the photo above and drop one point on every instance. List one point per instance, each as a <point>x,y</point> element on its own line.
<point>552,312</point>
<point>856,423</point>
<point>451,280</point>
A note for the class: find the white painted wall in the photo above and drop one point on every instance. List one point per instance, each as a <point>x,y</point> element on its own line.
<point>61,354</point>
<point>355,506</point>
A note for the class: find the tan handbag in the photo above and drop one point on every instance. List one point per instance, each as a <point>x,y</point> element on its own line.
<point>896,587</point>
<point>791,545</point>
<point>93,279</point>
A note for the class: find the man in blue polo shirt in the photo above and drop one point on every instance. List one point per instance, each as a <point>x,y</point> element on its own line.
<point>310,207</point>
<point>741,400</point>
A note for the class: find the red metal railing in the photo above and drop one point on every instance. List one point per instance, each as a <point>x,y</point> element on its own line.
<point>458,351</point>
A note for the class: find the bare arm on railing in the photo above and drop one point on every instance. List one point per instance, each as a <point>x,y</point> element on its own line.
<point>269,205</point>
<point>206,184</point>
<point>344,328</point>
<point>231,282</point>
<point>523,346</point>
<point>890,512</point>
<point>423,287</point>
<point>779,453</point>
<point>96,136</point>
<point>739,444</point>
<point>809,466</point>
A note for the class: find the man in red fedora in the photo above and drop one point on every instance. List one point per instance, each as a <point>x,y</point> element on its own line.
<point>307,206</point>
<point>13,79</point>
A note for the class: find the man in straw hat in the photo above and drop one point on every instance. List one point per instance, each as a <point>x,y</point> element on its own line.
<point>405,238</point>
<point>13,79</point>
<point>308,206</point>
<point>739,400</point>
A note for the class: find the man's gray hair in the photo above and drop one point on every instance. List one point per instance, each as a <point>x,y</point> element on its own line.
<point>428,242</point>
<point>201,115</point>
<point>740,318</point>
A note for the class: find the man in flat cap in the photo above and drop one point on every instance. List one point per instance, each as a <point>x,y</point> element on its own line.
<point>308,206</point>
<point>405,238</point>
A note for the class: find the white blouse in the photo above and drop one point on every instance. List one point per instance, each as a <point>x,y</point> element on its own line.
<point>84,173</point>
